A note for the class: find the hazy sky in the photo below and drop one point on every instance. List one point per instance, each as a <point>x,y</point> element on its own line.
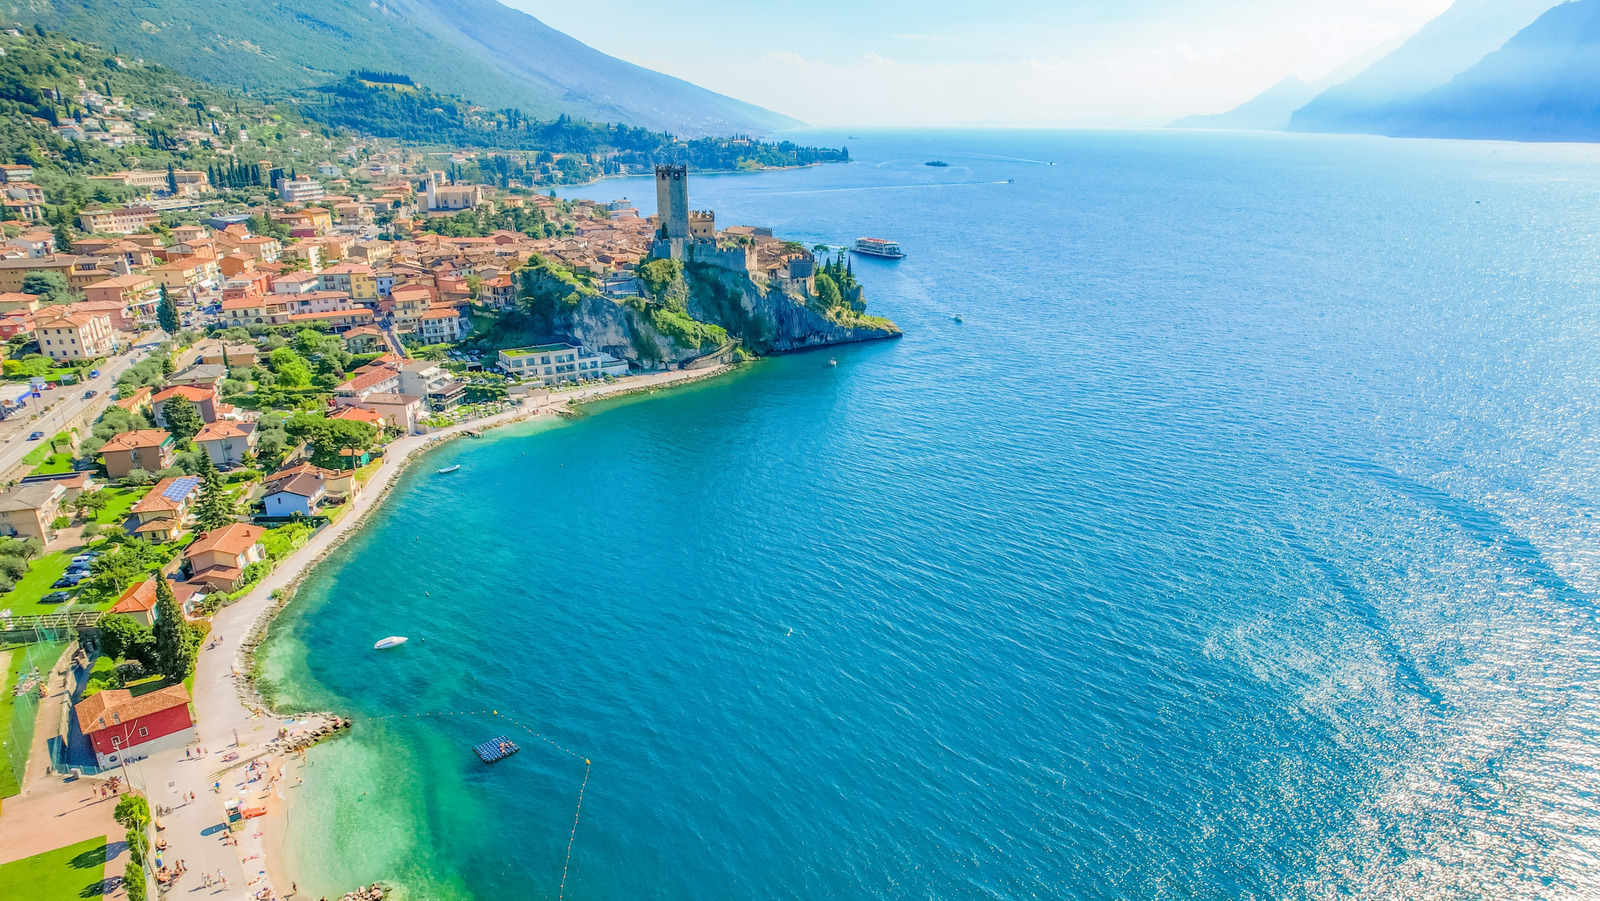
<point>938,62</point>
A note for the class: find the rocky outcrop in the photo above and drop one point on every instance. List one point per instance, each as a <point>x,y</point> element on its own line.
<point>776,318</point>
<point>691,310</point>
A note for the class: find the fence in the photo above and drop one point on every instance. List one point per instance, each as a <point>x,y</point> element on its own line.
<point>26,667</point>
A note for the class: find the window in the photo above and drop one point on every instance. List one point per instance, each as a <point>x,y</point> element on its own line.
<point>143,732</point>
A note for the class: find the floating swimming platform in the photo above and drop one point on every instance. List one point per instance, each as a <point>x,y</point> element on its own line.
<point>496,749</point>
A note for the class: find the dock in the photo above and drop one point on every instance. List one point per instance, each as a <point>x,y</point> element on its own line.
<point>496,749</point>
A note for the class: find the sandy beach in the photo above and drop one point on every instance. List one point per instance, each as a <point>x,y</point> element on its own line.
<point>233,726</point>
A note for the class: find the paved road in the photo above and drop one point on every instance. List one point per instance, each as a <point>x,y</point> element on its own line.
<point>65,403</point>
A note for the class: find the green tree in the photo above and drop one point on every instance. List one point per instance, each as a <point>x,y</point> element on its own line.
<point>177,643</point>
<point>51,286</point>
<point>90,502</point>
<point>133,882</point>
<point>331,438</point>
<point>290,369</point>
<point>129,564</point>
<point>167,312</point>
<point>215,508</point>
<point>828,291</point>
<point>183,418</point>
<point>133,812</point>
<point>123,639</point>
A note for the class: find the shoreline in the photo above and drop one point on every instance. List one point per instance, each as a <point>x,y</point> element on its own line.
<point>229,708</point>
<point>602,178</point>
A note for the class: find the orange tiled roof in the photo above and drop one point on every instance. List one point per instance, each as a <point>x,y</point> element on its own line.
<point>137,599</point>
<point>192,392</point>
<point>230,539</point>
<point>96,711</point>
<point>136,440</point>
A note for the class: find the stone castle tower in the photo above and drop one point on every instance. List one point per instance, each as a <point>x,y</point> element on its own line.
<point>672,200</point>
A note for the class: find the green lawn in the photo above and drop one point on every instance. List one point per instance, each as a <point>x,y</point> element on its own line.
<point>65,874</point>
<point>120,501</point>
<point>55,463</point>
<point>8,778</point>
<point>47,447</point>
<point>27,599</point>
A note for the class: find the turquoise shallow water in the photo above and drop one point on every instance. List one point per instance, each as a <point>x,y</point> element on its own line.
<point>1239,543</point>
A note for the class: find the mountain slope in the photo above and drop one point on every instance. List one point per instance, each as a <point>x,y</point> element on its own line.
<point>1543,85</point>
<point>1455,40</point>
<point>475,48</point>
<point>1268,111</point>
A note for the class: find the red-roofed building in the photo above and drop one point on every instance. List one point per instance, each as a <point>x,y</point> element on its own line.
<point>123,728</point>
<point>219,557</point>
<point>364,340</point>
<point>138,603</point>
<point>146,449</point>
<point>161,514</point>
<point>226,442</point>
<point>203,398</point>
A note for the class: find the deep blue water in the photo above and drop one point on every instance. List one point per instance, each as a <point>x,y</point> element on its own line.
<point>1239,543</point>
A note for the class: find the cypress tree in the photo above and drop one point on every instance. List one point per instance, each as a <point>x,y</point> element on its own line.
<point>167,312</point>
<point>176,642</point>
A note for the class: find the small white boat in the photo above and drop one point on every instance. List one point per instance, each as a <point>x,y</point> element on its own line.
<point>833,362</point>
<point>957,318</point>
<point>450,469</point>
<point>393,641</point>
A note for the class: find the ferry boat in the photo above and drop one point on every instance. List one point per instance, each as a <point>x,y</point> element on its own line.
<point>878,247</point>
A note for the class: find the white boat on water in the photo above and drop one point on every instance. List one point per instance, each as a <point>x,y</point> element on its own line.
<point>878,247</point>
<point>832,362</point>
<point>450,469</point>
<point>393,641</point>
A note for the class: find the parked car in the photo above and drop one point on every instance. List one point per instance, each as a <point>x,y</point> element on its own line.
<point>70,580</point>
<point>94,373</point>
<point>56,597</point>
<point>83,559</point>
<point>36,436</point>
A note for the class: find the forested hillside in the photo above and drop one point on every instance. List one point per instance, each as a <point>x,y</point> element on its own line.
<point>397,107</point>
<point>176,121</point>
<point>474,48</point>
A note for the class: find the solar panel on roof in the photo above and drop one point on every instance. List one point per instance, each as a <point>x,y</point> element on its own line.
<point>180,488</point>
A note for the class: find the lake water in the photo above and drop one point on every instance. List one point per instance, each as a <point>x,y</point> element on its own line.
<point>1239,543</point>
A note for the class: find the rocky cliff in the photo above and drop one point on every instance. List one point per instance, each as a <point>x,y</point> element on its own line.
<point>689,311</point>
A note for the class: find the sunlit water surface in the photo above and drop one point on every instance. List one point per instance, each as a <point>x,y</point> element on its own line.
<point>1239,543</point>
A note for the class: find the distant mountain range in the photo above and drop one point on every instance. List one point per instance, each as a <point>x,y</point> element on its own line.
<point>495,55</point>
<point>1442,49</point>
<point>1519,70</point>
<point>1269,111</point>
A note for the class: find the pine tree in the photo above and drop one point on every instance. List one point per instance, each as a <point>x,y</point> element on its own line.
<point>167,312</point>
<point>215,508</point>
<point>176,642</point>
<point>172,179</point>
<point>183,418</point>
